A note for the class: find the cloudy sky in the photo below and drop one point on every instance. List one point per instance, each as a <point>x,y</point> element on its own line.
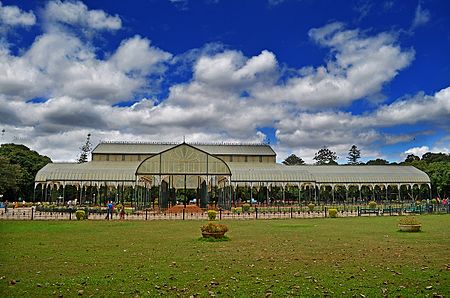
<point>298,74</point>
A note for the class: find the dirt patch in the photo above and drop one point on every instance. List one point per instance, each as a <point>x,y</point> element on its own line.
<point>189,209</point>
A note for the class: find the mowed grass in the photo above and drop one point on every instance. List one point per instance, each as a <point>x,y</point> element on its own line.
<point>303,257</point>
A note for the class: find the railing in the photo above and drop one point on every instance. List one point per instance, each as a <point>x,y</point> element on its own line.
<point>253,213</point>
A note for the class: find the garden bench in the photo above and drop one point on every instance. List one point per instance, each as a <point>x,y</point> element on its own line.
<point>391,210</point>
<point>368,211</point>
<point>415,209</point>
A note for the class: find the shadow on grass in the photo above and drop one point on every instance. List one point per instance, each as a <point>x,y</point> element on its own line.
<point>211,239</point>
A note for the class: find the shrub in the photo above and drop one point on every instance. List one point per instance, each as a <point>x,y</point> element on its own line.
<point>212,227</point>
<point>332,213</point>
<point>118,208</point>
<point>246,207</point>
<point>372,204</point>
<point>80,214</point>
<point>434,201</point>
<point>212,214</point>
<point>311,206</point>
<point>409,221</point>
<point>237,210</point>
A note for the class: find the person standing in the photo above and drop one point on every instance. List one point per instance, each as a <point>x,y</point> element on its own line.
<point>6,206</point>
<point>122,212</point>
<point>110,209</point>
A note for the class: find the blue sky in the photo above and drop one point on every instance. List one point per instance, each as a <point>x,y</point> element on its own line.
<point>299,74</point>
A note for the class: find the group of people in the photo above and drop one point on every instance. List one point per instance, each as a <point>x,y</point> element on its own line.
<point>14,205</point>
<point>439,201</point>
<point>110,210</point>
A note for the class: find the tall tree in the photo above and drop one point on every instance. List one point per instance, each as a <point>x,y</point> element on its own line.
<point>10,177</point>
<point>411,158</point>
<point>27,163</point>
<point>85,149</point>
<point>293,160</point>
<point>353,155</point>
<point>325,157</point>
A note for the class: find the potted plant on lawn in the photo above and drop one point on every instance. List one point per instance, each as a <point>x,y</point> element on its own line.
<point>213,230</point>
<point>409,224</point>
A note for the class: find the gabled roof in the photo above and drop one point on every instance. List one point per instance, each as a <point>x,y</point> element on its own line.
<point>183,159</point>
<point>155,148</point>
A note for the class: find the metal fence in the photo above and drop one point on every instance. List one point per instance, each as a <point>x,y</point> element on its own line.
<point>235,214</point>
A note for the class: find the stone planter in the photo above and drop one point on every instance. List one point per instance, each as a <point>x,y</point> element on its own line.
<point>409,228</point>
<point>213,235</point>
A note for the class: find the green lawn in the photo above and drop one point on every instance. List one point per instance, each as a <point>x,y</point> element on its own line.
<point>303,257</point>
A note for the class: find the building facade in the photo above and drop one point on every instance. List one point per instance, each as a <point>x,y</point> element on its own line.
<point>218,171</point>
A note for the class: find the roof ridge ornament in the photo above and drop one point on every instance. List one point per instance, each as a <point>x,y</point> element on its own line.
<point>217,143</point>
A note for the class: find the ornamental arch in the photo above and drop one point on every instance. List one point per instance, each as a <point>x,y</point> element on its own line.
<point>186,167</point>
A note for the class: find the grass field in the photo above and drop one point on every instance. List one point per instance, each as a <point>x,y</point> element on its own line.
<point>303,257</point>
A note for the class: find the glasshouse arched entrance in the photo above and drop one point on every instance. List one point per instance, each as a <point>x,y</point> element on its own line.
<point>183,174</point>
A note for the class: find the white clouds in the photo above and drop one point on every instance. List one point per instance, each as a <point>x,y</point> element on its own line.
<point>135,55</point>
<point>231,70</point>
<point>413,110</point>
<point>229,97</point>
<point>14,16</point>
<point>18,79</point>
<point>78,14</point>
<point>60,64</point>
<point>420,151</point>
<point>417,151</point>
<point>308,130</point>
<point>359,68</point>
<point>223,119</point>
<point>338,130</point>
<point>421,17</point>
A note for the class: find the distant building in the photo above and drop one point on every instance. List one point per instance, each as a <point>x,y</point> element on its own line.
<point>217,170</point>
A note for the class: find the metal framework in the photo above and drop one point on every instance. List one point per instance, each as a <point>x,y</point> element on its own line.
<point>188,166</point>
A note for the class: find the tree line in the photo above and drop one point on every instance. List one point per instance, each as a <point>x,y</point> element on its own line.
<point>326,157</point>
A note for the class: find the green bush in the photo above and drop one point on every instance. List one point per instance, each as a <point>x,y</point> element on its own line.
<point>372,204</point>
<point>212,214</point>
<point>80,214</point>
<point>246,208</point>
<point>434,201</point>
<point>311,206</point>
<point>118,208</point>
<point>332,213</point>
<point>237,210</point>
